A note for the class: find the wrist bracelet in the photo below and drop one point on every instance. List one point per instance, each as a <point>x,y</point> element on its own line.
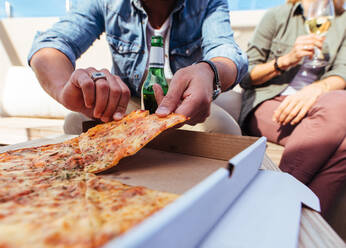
<point>276,66</point>
<point>216,83</point>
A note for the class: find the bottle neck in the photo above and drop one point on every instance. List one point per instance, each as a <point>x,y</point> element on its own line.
<point>156,57</point>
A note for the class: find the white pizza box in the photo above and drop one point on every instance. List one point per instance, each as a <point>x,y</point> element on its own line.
<point>223,203</point>
<point>237,205</point>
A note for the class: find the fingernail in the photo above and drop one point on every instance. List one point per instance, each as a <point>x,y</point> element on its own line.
<point>117,116</point>
<point>104,119</point>
<point>162,111</point>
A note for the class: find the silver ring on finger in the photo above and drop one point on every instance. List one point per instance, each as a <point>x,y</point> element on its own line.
<point>305,47</point>
<point>98,75</point>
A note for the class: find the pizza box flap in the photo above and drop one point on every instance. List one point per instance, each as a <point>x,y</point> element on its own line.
<point>269,209</point>
<point>186,221</point>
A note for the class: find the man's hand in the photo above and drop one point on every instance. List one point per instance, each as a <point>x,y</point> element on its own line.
<point>303,47</point>
<point>190,93</point>
<point>105,99</point>
<point>293,109</point>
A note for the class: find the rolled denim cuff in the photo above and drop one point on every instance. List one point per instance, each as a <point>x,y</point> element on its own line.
<point>53,44</point>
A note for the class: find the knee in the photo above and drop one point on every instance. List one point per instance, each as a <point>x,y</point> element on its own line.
<point>334,102</point>
<point>220,121</point>
<point>74,123</point>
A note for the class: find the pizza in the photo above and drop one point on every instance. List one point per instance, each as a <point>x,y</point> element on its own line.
<point>82,212</point>
<point>56,216</point>
<point>49,196</point>
<point>104,145</point>
<point>117,207</point>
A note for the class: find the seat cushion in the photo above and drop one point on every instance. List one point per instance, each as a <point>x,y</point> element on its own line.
<point>22,95</point>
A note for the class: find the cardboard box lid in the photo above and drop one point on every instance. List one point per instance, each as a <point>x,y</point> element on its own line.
<point>267,214</point>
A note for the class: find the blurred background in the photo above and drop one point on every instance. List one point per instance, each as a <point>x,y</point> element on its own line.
<point>47,8</point>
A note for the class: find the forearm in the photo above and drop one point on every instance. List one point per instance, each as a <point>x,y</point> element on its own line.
<point>303,47</point>
<point>264,72</point>
<point>53,69</point>
<point>227,71</point>
<point>332,83</point>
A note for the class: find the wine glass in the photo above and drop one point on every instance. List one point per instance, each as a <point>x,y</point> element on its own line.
<point>318,21</point>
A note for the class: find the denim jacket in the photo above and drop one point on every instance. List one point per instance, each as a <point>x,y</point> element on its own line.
<point>200,30</point>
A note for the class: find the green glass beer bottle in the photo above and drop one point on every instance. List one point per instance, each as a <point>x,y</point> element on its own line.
<point>155,75</point>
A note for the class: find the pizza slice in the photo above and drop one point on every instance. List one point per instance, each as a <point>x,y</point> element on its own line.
<point>104,145</point>
<point>116,207</point>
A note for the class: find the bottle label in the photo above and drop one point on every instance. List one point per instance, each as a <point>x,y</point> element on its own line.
<point>156,58</point>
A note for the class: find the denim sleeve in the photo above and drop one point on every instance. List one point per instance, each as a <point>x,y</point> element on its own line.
<point>218,38</point>
<point>74,33</point>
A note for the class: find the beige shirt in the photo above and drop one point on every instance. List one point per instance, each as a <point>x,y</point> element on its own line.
<point>275,36</point>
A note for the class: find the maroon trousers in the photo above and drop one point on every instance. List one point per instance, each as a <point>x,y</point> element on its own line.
<point>315,148</point>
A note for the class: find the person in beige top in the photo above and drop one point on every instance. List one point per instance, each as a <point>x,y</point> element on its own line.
<point>299,107</point>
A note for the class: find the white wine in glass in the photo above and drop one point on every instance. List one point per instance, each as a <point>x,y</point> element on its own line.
<point>319,25</point>
<point>318,21</point>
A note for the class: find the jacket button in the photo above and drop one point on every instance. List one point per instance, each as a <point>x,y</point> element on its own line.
<point>187,51</point>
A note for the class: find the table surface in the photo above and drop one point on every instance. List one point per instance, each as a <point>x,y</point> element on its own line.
<point>314,230</point>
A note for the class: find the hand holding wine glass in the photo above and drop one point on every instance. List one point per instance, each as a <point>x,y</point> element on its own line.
<point>318,21</point>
